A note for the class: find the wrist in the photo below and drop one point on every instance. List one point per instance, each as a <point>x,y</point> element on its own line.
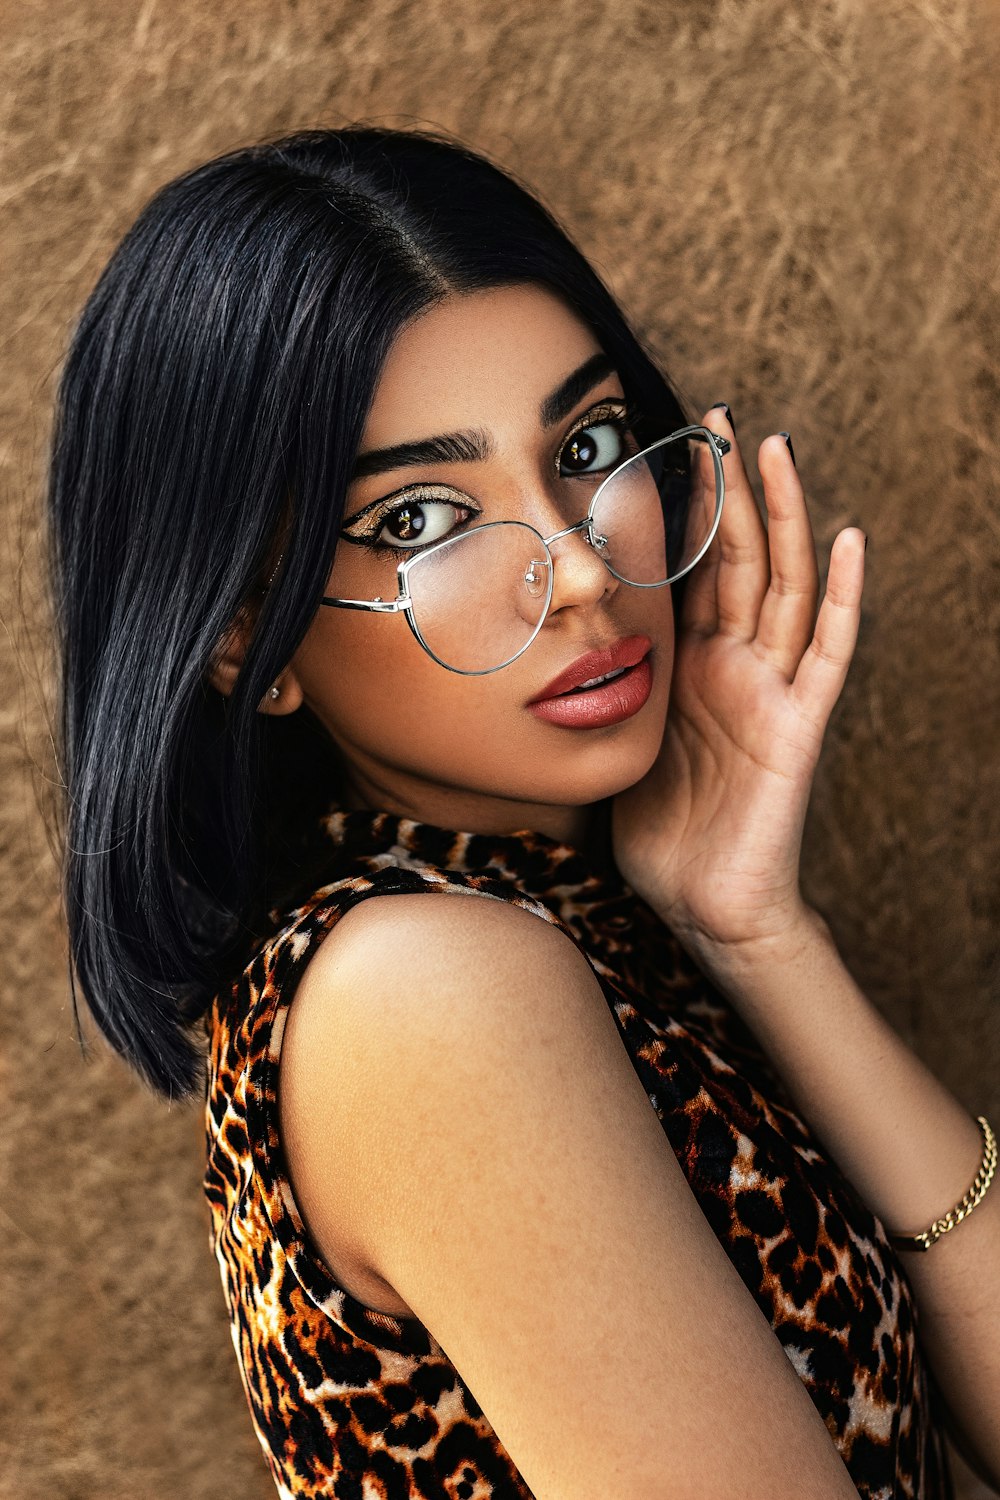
<point>740,964</point>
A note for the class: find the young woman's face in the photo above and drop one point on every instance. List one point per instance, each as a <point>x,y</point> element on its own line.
<point>529,442</point>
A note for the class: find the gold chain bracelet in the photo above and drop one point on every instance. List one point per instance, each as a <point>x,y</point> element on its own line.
<point>984,1177</point>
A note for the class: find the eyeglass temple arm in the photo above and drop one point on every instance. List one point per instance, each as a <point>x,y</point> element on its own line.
<point>722,444</point>
<point>377,606</point>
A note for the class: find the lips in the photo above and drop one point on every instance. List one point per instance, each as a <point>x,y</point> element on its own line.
<point>624,653</point>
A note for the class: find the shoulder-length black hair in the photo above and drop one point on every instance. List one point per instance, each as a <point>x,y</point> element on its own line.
<point>208,416</point>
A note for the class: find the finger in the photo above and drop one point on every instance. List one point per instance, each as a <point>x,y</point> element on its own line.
<point>788,612</point>
<point>823,669</point>
<point>742,571</point>
<point>700,611</point>
<point>701,597</point>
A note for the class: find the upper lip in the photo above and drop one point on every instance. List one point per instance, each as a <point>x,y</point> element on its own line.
<point>624,653</point>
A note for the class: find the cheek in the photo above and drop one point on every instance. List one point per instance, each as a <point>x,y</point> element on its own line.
<point>383,699</point>
<point>377,691</point>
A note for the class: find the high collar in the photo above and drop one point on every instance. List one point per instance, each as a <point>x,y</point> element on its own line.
<point>620,933</point>
<point>534,862</point>
<point>587,893</point>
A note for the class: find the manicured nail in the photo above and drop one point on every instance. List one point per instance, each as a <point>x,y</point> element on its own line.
<point>788,440</point>
<point>721,406</point>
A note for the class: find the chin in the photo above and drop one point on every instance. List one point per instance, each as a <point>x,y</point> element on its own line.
<point>578,767</point>
<point>588,765</point>
<point>612,769</point>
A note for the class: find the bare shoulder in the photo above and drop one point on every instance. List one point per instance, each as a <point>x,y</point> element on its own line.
<point>383,947</point>
<point>457,1102</point>
<point>407,980</point>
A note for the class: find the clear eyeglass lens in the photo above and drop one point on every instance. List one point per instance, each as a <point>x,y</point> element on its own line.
<point>654,517</point>
<point>479,599</point>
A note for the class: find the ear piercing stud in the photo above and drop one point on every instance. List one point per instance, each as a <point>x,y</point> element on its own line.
<point>275,691</point>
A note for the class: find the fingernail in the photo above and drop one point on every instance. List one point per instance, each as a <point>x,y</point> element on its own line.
<point>788,440</point>
<point>721,406</point>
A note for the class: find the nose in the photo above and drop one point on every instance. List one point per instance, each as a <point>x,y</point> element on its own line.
<point>579,575</point>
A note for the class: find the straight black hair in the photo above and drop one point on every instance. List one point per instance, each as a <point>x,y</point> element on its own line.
<point>208,416</point>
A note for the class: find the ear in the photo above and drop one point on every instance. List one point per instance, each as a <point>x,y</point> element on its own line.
<point>227,663</point>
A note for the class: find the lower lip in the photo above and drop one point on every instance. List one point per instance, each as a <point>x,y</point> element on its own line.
<point>610,703</point>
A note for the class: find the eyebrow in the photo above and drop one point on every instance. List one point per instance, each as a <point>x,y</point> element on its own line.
<point>573,389</point>
<point>474,445</point>
<point>452,447</point>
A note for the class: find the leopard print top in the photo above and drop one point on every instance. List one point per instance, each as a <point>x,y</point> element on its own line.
<point>353,1403</point>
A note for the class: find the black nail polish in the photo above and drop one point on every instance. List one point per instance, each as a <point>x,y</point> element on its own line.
<point>788,440</point>
<point>721,405</point>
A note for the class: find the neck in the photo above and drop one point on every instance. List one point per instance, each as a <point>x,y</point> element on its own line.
<point>587,827</point>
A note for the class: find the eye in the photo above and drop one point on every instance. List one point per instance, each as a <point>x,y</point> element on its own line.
<point>409,523</point>
<point>417,522</point>
<point>594,448</point>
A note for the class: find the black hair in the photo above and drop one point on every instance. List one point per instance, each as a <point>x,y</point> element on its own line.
<point>208,416</point>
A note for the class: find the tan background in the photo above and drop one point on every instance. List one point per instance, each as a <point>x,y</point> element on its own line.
<point>799,204</point>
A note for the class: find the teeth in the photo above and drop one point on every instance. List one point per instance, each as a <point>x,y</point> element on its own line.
<point>596,681</point>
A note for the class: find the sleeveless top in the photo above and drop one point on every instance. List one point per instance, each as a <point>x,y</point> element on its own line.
<point>351,1402</point>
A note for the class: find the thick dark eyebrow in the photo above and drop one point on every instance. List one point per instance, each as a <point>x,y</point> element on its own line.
<point>452,447</point>
<point>573,389</point>
<point>474,446</point>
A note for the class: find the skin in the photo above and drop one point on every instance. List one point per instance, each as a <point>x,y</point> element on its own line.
<point>463,751</point>
<point>709,782</point>
<point>710,797</point>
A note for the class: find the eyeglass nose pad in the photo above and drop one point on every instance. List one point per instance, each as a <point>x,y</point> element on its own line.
<point>534,577</point>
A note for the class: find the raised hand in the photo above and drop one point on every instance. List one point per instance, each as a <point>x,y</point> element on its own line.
<point>711,837</point>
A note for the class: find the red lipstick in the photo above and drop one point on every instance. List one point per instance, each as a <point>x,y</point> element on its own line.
<point>577,699</point>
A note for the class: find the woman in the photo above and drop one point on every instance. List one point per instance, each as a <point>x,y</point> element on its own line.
<point>577,1191</point>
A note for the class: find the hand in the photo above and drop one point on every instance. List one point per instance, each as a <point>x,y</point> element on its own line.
<point>711,837</point>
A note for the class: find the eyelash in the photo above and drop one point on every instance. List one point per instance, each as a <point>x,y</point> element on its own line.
<point>617,413</point>
<point>413,495</point>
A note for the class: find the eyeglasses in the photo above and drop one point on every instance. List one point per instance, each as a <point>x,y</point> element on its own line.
<point>476,600</point>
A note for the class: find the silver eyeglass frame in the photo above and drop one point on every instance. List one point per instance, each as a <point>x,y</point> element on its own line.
<point>403,603</point>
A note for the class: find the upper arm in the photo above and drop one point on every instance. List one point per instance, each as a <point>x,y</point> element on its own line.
<point>452,1080</point>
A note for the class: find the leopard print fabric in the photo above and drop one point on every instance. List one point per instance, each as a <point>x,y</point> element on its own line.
<point>353,1403</point>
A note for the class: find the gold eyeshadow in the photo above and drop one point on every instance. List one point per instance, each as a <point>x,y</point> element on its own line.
<point>613,408</point>
<point>376,512</point>
<point>379,510</point>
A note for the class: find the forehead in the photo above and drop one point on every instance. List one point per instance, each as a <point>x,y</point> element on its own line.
<point>477,359</point>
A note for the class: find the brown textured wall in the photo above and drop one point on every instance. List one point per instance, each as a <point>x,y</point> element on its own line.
<point>799,204</point>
